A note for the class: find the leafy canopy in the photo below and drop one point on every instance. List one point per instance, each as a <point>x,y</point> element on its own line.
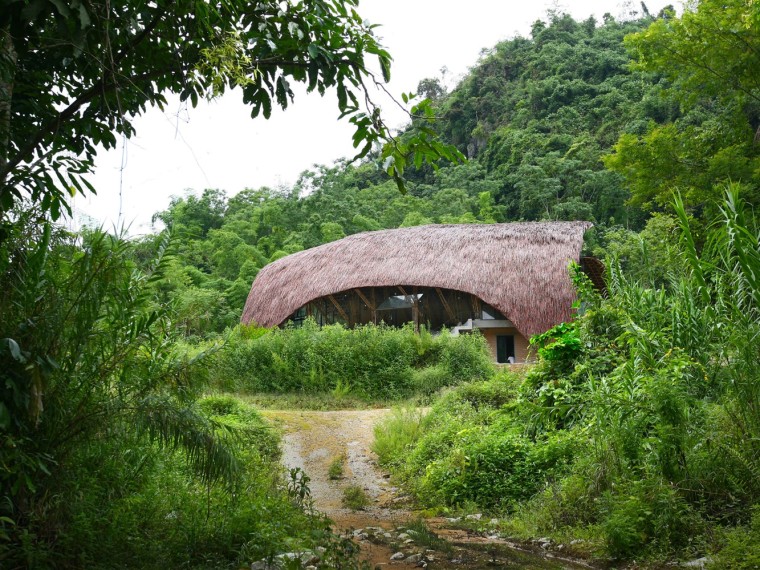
<point>74,74</point>
<point>711,58</point>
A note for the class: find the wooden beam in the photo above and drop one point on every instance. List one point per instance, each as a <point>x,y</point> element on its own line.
<point>366,301</point>
<point>341,312</point>
<point>446,305</point>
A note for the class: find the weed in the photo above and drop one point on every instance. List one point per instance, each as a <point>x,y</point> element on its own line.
<point>423,536</point>
<point>355,498</point>
<point>335,470</point>
<point>397,434</point>
<point>341,390</point>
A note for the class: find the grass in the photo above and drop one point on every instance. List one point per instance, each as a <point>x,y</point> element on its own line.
<point>398,432</point>
<point>321,401</point>
<point>355,498</point>
<point>335,471</point>
<point>423,536</point>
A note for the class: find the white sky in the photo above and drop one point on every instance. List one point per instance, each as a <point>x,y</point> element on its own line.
<point>218,145</point>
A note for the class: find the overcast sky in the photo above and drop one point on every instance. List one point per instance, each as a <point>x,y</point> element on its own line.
<point>218,145</point>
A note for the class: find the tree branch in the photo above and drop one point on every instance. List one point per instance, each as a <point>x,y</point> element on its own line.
<point>103,85</point>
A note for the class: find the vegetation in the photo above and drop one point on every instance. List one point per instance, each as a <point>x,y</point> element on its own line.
<point>638,422</point>
<point>355,498</point>
<point>71,77</point>
<point>108,454</point>
<point>638,429</point>
<point>336,468</point>
<point>370,362</point>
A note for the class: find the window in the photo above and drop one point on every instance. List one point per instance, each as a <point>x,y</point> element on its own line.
<point>505,348</point>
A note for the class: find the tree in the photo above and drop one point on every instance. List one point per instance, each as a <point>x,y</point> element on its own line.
<point>74,74</point>
<point>87,359</point>
<point>711,57</point>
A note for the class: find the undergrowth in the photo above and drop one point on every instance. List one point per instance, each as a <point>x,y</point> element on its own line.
<point>637,431</point>
<point>367,363</point>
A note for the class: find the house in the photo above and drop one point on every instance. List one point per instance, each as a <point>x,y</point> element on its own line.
<point>509,281</point>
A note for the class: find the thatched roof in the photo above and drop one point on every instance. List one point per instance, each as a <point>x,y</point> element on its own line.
<point>519,268</point>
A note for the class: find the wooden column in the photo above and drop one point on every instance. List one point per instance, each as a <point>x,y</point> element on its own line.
<point>415,308</point>
<point>353,305</point>
<point>475,307</point>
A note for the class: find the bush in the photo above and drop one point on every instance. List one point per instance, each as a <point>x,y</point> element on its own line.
<point>427,381</point>
<point>143,508</point>
<point>494,467</point>
<point>741,549</point>
<point>355,498</point>
<point>373,362</point>
<point>466,450</point>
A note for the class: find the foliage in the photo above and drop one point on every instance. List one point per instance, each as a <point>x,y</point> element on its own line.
<point>193,525</point>
<point>637,426</point>
<point>355,498</point>
<point>99,419</point>
<point>558,343</point>
<point>84,350</point>
<point>710,56</point>
<point>538,113</point>
<point>369,361</point>
<point>742,546</point>
<point>466,450</point>
<point>73,77</point>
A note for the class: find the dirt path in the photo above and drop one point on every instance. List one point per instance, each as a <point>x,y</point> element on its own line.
<point>313,440</point>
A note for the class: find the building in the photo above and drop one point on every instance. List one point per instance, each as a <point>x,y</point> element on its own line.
<point>509,281</point>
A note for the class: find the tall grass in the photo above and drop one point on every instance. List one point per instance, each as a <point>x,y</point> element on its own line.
<point>656,391</point>
<point>369,361</point>
<point>107,458</point>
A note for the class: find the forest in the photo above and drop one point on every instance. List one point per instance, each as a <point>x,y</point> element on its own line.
<point>131,432</point>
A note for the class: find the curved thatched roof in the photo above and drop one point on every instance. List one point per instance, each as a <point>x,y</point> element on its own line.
<point>519,268</point>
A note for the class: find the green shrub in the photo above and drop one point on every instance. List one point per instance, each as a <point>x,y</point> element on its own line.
<point>427,381</point>
<point>395,436</point>
<point>143,508</point>
<point>355,498</point>
<point>494,467</point>
<point>376,362</point>
<point>466,450</point>
<point>741,548</point>
<point>251,429</point>
<point>649,516</point>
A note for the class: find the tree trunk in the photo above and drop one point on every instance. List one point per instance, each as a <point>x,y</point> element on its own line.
<point>8,58</point>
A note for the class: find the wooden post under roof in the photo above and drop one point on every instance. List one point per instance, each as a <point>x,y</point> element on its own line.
<point>415,307</point>
<point>353,305</point>
<point>446,305</point>
<point>370,305</point>
<point>340,310</point>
